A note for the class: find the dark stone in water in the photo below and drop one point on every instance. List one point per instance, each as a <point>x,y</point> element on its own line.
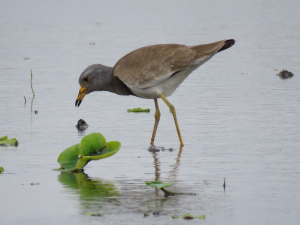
<point>81,125</point>
<point>153,149</point>
<point>156,213</point>
<point>284,74</point>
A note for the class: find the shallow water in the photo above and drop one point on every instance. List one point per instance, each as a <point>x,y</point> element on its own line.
<point>238,120</point>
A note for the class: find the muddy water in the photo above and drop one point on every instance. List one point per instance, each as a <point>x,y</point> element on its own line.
<point>238,120</point>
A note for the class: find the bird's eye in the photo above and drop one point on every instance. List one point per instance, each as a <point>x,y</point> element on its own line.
<point>86,79</point>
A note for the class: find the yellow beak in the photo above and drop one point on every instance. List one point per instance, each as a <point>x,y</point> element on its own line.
<point>82,93</point>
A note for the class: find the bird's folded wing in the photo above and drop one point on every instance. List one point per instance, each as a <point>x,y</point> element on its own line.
<point>150,65</point>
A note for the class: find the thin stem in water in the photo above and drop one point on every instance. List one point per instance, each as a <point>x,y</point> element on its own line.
<point>31,84</point>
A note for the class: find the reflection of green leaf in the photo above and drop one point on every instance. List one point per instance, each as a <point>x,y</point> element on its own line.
<point>138,110</point>
<point>158,184</point>
<point>89,189</point>
<point>1,169</point>
<point>189,217</point>
<point>77,156</point>
<point>91,143</point>
<point>4,141</point>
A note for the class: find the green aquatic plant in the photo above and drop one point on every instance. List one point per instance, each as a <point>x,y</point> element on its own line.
<point>138,110</point>
<point>92,214</point>
<point>162,186</point>
<point>189,217</point>
<point>5,142</point>
<point>92,147</point>
<point>158,184</point>
<point>1,169</point>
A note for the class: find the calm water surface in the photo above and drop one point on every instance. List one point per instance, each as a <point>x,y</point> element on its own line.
<point>238,120</point>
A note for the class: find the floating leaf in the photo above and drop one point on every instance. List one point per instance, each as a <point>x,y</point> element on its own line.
<point>162,186</point>
<point>68,158</point>
<point>1,169</point>
<point>158,184</point>
<point>138,110</point>
<point>110,149</point>
<point>4,138</point>
<point>91,143</point>
<point>92,147</point>
<point>189,217</point>
<point>4,141</point>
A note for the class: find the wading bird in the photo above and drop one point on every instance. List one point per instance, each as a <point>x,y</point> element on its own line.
<point>150,72</point>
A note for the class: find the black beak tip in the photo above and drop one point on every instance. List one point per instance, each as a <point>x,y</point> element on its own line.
<point>78,102</point>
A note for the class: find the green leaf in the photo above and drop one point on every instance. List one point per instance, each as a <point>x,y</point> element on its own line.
<point>189,217</point>
<point>110,149</point>
<point>1,169</point>
<point>91,143</point>
<point>3,138</point>
<point>68,159</point>
<point>138,110</point>
<point>71,159</point>
<point>158,184</point>
<point>5,142</point>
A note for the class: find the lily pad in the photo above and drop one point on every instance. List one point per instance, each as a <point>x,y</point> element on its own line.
<point>91,143</point>
<point>158,184</point>
<point>1,169</point>
<point>4,141</point>
<point>138,110</point>
<point>68,158</point>
<point>92,147</point>
<point>189,217</point>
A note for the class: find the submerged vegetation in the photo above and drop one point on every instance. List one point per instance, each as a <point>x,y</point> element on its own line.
<point>5,142</point>
<point>162,186</point>
<point>92,147</point>
<point>138,110</point>
<point>189,217</point>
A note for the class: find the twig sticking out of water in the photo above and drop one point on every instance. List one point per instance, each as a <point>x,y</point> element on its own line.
<point>224,185</point>
<point>31,84</point>
<point>25,100</point>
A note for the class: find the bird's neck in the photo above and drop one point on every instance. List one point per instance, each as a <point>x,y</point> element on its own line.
<point>114,84</point>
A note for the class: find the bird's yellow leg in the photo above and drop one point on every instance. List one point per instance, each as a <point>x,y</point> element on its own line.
<point>172,110</point>
<point>157,118</point>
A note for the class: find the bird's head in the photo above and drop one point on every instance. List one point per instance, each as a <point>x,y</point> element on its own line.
<point>93,78</point>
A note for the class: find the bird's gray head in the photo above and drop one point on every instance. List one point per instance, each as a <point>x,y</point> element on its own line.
<point>93,78</point>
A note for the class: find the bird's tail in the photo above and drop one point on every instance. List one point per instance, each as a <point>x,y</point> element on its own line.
<point>228,43</point>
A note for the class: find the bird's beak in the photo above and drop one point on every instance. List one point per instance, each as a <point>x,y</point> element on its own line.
<point>82,93</point>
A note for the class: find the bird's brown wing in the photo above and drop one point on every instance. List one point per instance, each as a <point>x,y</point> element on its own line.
<point>150,65</point>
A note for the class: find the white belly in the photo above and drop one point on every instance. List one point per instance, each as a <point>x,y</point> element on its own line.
<point>168,86</point>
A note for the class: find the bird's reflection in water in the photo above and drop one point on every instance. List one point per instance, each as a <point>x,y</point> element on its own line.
<point>157,170</point>
<point>95,195</point>
<point>162,204</point>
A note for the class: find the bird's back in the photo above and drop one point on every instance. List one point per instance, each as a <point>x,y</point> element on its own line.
<point>151,65</point>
